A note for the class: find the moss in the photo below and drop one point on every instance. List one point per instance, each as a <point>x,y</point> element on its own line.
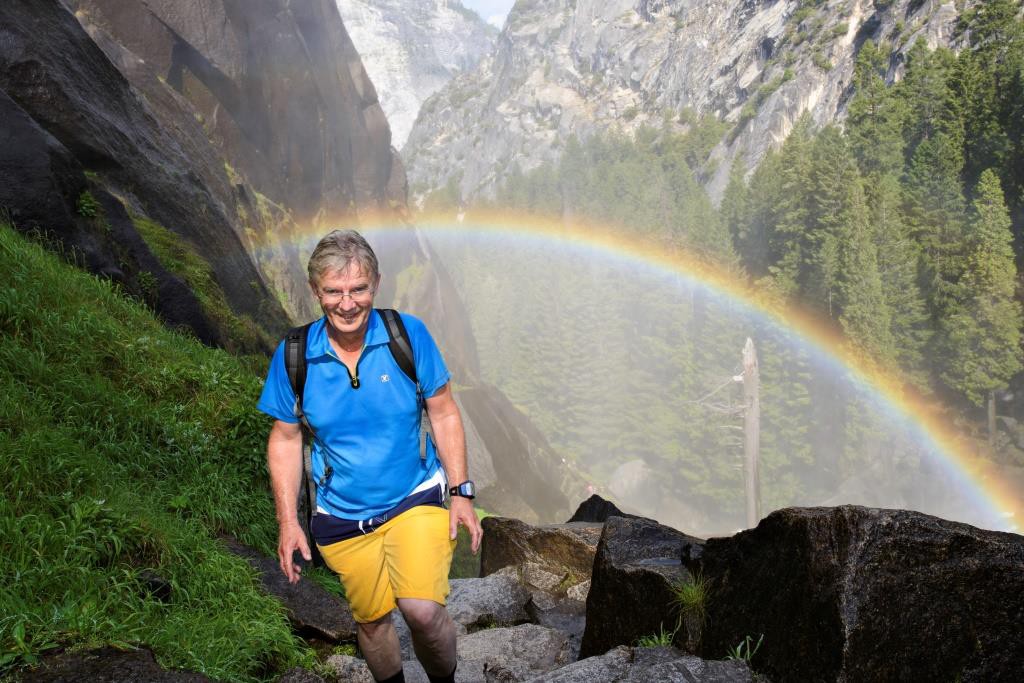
<point>241,333</point>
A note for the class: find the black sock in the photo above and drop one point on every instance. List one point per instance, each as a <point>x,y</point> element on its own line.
<point>397,678</point>
<point>450,678</point>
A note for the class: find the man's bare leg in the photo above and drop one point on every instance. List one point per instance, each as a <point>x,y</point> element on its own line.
<point>433,635</point>
<point>378,642</point>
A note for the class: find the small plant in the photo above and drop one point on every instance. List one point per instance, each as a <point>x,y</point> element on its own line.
<point>662,638</point>
<point>630,113</point>
<point>87,205</point>
<point>742,650</point>
<point>691,597</point>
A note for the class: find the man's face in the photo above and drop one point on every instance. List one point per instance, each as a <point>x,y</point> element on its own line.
<point>346,297</point>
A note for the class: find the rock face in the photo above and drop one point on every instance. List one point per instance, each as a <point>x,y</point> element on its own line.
<point>638,561</point>
<point>858,594</point>
<point>57,75</point>
<point>278,87</point>
<point>411,48</point>
<point>563,67</point>
<point>277,93</point>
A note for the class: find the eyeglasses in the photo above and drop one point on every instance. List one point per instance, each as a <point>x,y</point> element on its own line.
<point>360,294</point>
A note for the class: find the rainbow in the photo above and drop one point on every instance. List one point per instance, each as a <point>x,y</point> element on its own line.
<point>930,421</point>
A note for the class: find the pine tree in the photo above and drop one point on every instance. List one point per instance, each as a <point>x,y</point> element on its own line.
<point>983,335</point>
<point>875,117</point>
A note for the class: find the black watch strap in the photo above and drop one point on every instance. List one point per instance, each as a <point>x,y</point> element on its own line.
<point>466,489</point>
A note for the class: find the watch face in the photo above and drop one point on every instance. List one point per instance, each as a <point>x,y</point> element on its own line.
<point>466,489</point>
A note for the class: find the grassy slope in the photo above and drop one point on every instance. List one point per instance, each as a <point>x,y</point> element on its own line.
<point>124,447</point>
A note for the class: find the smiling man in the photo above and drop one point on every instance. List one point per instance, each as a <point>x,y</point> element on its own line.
<point>380,521</point>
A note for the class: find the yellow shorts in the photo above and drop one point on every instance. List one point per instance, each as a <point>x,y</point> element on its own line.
<point>408,556</point>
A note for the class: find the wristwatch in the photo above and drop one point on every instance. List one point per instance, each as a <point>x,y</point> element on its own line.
<point>466,489</point>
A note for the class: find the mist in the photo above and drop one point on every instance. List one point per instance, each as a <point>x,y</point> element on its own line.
<point>632,373</point>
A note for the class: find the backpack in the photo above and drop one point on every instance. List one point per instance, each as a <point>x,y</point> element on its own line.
<point>295,364</point>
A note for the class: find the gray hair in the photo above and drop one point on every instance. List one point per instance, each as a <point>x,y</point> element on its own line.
<point>337,251</point>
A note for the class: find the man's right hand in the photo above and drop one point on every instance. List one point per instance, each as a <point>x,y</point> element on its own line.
<point>291,539</point>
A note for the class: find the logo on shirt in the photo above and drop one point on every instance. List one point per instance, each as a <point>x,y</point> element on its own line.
<point>385,378</point>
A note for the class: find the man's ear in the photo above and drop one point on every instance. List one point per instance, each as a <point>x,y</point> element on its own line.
<point>312,287</point>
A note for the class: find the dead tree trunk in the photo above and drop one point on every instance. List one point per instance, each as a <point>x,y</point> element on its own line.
<point>992,420</point>
<point>752,434</point>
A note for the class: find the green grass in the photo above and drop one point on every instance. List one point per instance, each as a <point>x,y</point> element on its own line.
<point>661,639</point>
<point>126,447</point>
<point>177,256</point>
<point>690,597</point>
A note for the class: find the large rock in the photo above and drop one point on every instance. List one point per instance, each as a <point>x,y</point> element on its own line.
<point>561,550</point>
<point>524,651</point>
<point>496,600</point>
<point>596,509</point>
<point>312,610</point>
<point>862,594</point>
<point>645,665</point>
<point>637,564</point>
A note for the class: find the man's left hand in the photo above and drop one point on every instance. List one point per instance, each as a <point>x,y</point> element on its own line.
<point>461,512</point>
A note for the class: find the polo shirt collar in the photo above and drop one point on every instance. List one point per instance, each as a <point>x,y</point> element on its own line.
<point>318,345</point>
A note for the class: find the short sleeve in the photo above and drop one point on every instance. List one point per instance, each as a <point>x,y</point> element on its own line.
<point>277,399</point>
<point>430,368</point>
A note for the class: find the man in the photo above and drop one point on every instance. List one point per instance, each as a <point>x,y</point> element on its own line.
<point>380,521</point>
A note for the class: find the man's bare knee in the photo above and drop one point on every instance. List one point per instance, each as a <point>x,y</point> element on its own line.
<point>424,617</point>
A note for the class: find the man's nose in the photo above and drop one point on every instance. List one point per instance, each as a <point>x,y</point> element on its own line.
<point>347,303</point>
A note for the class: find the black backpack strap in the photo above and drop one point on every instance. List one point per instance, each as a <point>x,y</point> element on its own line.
<point>295,364</point>
<point>398,342</point>
<point>401,350</point>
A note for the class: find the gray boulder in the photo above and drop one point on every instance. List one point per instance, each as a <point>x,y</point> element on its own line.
<point>648,665</point>
<point>496,600</point>
<point>863,594</point>
<point>523,651</point>
<point>638,561</point>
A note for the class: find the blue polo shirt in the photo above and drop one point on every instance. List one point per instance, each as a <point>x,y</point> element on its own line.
<point>370,435</point>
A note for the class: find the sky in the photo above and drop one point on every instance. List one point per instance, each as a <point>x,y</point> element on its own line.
<point>492,11</point>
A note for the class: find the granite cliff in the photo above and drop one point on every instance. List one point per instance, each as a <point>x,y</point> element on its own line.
<point>412,48</point>
<point>576,67</point>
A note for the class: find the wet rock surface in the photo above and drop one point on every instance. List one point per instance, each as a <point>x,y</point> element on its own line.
<point>313,611</point>
<point>857,594</point>
<point>107,665</point>
<point>636,564</point>
<point>54,71</point>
